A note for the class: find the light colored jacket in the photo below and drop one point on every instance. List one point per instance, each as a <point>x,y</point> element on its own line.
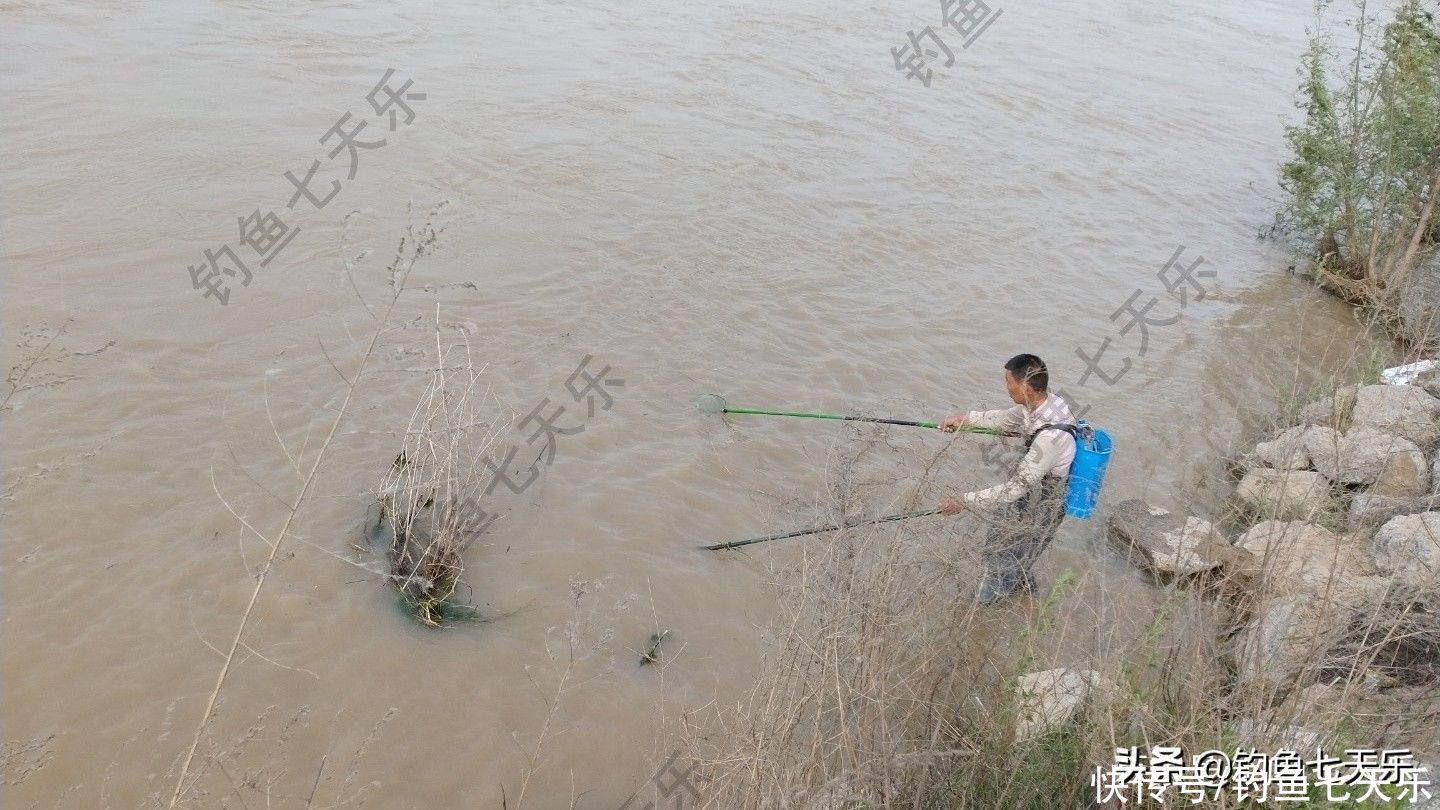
<point>1050,453</point>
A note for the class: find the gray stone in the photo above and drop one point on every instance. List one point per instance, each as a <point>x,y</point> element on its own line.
<point>1284,494</point>
<point>1405,474</point>
<point>1322,450</point>
<point>1435,472</point>
<point>1269,651</point>
<point>1286,451</point>
<point>1429,382</point>
<point>1368,510</point>
<point>1403,410</point>
<point>1370,457</point>
<point>1296,556</point>
<point>1332,411</point>
<point>1289,634</point>
<point>1237,464</point>
<point>1049,699</point>
<point>1168,543</point>
<point>1319,412</point>
<point>1408,548</point>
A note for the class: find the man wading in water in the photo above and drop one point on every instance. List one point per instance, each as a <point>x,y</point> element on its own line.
<point>1027,509</point>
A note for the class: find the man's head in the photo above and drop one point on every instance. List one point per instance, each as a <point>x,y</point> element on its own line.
<point>1026,380</point>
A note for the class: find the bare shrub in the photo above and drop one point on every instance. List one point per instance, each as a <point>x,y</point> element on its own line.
<point>429,504</point>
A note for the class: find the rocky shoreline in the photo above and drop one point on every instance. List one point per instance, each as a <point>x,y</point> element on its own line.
<point>1326,568</point>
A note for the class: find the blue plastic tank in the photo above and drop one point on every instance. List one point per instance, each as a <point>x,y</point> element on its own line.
<point>1087,471</point>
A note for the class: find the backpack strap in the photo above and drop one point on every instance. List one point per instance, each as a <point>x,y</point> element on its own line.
<point>1068,428</point>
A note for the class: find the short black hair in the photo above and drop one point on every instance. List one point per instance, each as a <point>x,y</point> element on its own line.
<point>1030,370</point>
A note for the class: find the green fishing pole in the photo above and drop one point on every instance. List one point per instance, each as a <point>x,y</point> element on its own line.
<point>714,403</point>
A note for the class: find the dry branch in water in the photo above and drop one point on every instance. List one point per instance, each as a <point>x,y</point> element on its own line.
<point>413,245</point>
<point>428,508</point>
<point>42,361</point>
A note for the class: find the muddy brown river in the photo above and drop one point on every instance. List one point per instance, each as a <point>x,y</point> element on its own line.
<point>735,197</point>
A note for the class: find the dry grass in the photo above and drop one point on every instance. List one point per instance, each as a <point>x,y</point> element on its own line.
<point>415,244</point>
<point>888,687</point>
<point>429,504</point>
<point>257,768</point>
<point>44,361</point>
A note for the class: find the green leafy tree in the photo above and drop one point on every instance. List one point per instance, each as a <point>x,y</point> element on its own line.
<point>1363,181</point>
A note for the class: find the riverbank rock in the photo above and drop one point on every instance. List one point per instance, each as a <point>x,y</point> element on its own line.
<point>1284,494</point>
<point>1369,457</point>
<point>1286,451</point>
<point>1289,638</point>
<point>1271,649</point>
<point>1403,410</point>
<point>1168,543</point>
<point>1291,556</point>
<point>1332,411</point>
<point>1387,464</point>
<point>1322,449</point>
<point>1428,381</point>
<point>1236,464</point>
<point>1368,511</point>
<point>1408,548</point>
<point>1405,474</point>
<point>1049,699</point>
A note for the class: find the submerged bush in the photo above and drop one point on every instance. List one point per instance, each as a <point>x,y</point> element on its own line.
<point>427,511</point>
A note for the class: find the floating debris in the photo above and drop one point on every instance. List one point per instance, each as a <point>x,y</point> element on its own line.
<point>652,648</point>
<point>423,547</point>
<point>426,512</point>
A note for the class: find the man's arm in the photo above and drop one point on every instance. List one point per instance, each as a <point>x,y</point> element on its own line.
<point>1042,456</point>
<point>1005,420</point>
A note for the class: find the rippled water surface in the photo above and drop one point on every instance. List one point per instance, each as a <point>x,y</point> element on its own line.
<point>738,197</point>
